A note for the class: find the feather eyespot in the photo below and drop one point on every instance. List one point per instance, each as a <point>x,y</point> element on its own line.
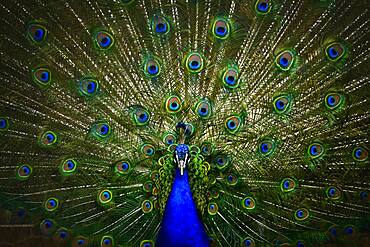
<point>101,130</point>
<point>248,203</point>
<point>41,76</point>
<point>105,196</point>
<point>4,124</point>
<point>160,25</point>
<point>51,204</point>
<point>203,109</point>
<point>62,234</point>
<point>333,193</point>
<point>212,208</point>
<point>68,167</point>
<point>147,206</point>
<point>173,104</point>
<point>233,124</point>
<point>287,185</point>
<point>140,116</point>
<point>221,161</point>
<point>315,150</point>
<point>37,33</point>
<point>152,68</point>
<point>230,78</point>
<point>207,148</point>
<point>103,40</point>
<point>231,179</point>
<point>282,104</point>
<point>147,243</point>
<point>106,241</point>
<point>248,242</point>
<point>360,154</point>
<point>335,51</point>
<point>80,241</point>
<point>266,147</point>
<point>24,172</point>
<point>194,62</point>
<point>285,60</point>
<point>169,139</point>
<point>88,86</point>
<point>148,150</point>
<point>48,227</point>
<point>301,214</point>
<point>221,28</point>
<point>48,139</point>
<point>263,7</point>
<point>333,100</point>
<point>122,167</point>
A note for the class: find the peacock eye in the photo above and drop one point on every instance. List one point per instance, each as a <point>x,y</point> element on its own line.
<point>284,60</point>
<point>148,150</point>
<point>334,51</point>
<point>105,196</point>
<point>122,167</point>
<point>333,193</point>
<point>160,25</point>
<point>222,161</point>
<point>173,104</point>
<point>140,116</point>
<point>41,76</point>
<point>48,138</point>
<point>68,167</point>
<point>333,231</point>
<point>301,214</point>
<point>333,100</point>
<point>221,28</point>
<point>147,243</point>
<point>287,185</point>
<point>263,7</point>
<point>4,124</point>
<point>266,147</point>
<point>360,154</point>
<point>47,227</point>
<point>207,148</point>
<point>147,206</point>
<point>24,172</point>
<point>81,241</point>
<point>203,109</point>
<point>51,204</point>
<point>231,179</point>
<point>230,78</point>
<point>194,62</point>
<point>364,196</point>
<point>169,139</point>
<point>104,40</point>
<point>37,33</point>
<point>300,244</point>
<point>62,234</point>
<point>101,130</point>
<point>315,150</point>
<point>248,203</point>
<point>248,242</point>
<point>282,104</point>
<point>106,241</point>
<point>212,208</point>
<point>349,230</point>
<point>152,68</point>
<point>88,86</point>
<point>233,124</point>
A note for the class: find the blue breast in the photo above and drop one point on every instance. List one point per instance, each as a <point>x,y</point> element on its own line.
<point>181,225</point>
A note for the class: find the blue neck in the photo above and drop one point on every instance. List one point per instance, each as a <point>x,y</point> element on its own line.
<point>181,224</point>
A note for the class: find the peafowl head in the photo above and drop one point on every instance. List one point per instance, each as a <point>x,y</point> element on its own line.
<point>182,156</point>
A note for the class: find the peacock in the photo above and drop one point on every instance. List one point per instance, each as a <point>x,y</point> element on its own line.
<point>184,123</point>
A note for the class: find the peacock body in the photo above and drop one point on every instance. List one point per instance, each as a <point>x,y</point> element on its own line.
<point>185,122</point>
